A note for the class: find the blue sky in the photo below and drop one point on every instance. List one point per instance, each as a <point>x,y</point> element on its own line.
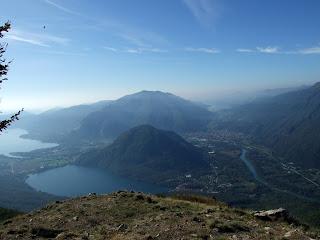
<point>199,49</point>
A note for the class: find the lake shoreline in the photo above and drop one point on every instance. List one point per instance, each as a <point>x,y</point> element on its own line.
<point>16,144</point>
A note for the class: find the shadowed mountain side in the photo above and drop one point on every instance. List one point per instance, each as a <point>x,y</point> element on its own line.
<point>147,153</point>
<point>7,213</point>
<point>289,123</point>
<point>162,110</point>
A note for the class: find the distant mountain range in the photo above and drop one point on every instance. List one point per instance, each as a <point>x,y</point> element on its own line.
<point>147,153</point>
<point>159,109</point>
<point>230,100</point>
<point>289,123</point>
<point>57,123</point>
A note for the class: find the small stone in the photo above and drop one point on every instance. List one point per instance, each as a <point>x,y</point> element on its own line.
<point>122,227</point>
<point>289,234</point>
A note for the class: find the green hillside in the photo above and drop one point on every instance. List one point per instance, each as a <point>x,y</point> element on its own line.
<point>147,153</point>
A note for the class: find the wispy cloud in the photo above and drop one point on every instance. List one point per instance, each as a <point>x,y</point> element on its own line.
<point>26,40</point>
<point>269,50</point>
<point>60,7</point>
<point>265,50</point>
<point>132,50</point>
<point>277,50</point>
<point>203,50</point>
<point>134,36</point>
<point>111,49</point>
<point>204,11</point>
<point>154,50</point>
<point>138,37</point>
<point>136,50</point>
<point>42,40</point>
<point>312,50</point>
<point>64,53</point>
<point>244,50</point>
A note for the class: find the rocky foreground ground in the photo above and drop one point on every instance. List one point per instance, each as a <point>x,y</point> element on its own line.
<point>130,215</point>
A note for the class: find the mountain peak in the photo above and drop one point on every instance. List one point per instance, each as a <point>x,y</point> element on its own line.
<point>153,92</point>
<point>149,93</point>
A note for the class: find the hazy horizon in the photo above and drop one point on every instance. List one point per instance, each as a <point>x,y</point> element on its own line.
<point>75,52</point>
<point>220,99</point>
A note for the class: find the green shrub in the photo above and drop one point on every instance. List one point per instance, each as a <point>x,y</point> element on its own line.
<point>195,198</point>
<point>229,226</point>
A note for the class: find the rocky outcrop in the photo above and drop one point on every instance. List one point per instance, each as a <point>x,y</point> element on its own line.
<point>273,215</point>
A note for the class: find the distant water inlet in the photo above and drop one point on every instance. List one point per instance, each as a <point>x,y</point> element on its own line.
<point>73,181</point>
<point>11,142</point>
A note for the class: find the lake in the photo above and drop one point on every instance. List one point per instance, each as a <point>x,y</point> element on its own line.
<point>12,142</point>
<point>73,181</point>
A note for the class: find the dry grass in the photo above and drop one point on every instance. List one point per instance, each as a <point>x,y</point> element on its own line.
<point>129,215</point>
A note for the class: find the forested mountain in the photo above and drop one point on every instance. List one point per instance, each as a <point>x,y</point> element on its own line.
<point>145,152</point>
<point>289,123</point>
